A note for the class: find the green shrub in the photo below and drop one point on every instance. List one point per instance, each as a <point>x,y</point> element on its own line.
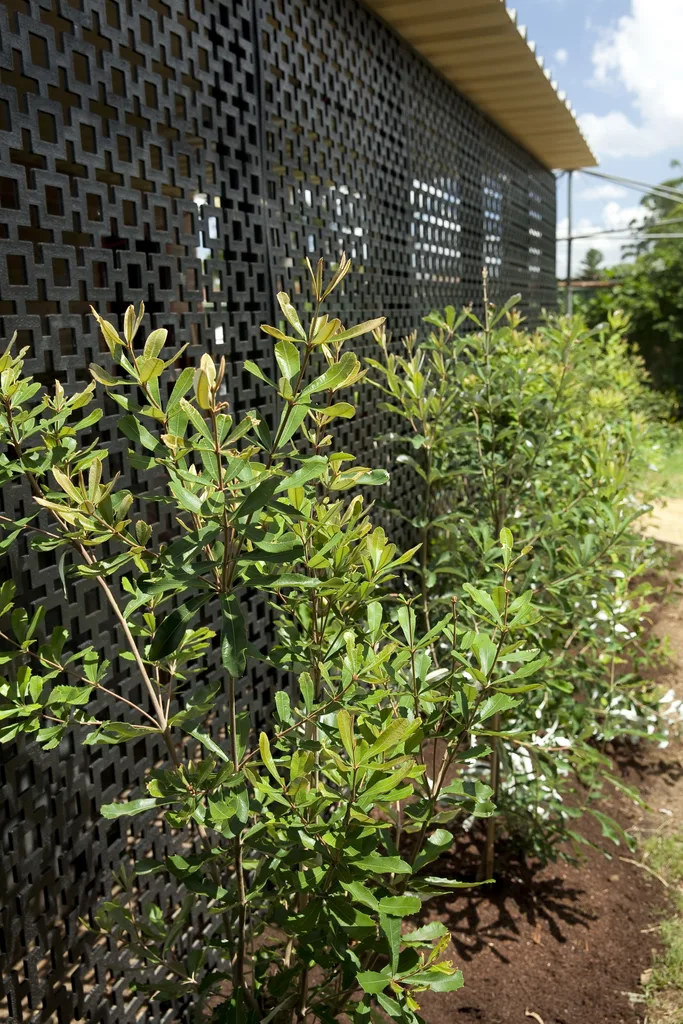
<point>544,436</point>
<point>310,842</point>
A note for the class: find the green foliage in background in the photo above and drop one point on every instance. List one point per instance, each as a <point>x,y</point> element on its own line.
<point>649,291</point>
<point>543,439</point>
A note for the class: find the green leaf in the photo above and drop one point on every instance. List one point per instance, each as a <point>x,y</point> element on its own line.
<point>180,388</point>
<point>169,635</point>
<point>256,371</point>
<point>155,342</point>
<point>391,926</point>
<point>437,979</point>
<point>446,982</point>
<point>117,732</point>
<point>485,650</point>
<point>292,417</point>
<point>103,376</point>
<point>436,845</point>
<point>400,906</point>
<point>283,706</point>
<point>497,704</point>
<point>375,864</point>
<point>131,807</point>
<point>70,695</point>
<point>335,376</point>
<point>287,356</point>
<point>432,883</point>
<point>233,637</point>
<point>196,419</point>
<point>484,601</point>
<point>342,409</point>
<point>362,894</point>
<point>355,332</point>
<point>406,620</point>
<point>267,757</point>
<point>135,431</point>
<point>390,1006</point>
<point>210,744</point>
<point>394,734</point>
<point>611,829</point>
<point>373,982</point>
<point>312,469</point>
<point>186,499</point>
<point>426,935</point>
<point>258,498</point>
<point>290,314</point>
<point>345,726</point>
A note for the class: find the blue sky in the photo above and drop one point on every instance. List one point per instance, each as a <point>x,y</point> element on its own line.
<point>621,64</point>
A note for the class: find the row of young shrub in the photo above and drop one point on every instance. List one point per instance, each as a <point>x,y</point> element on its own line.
<point>548,434</point>
<point>479,674</point>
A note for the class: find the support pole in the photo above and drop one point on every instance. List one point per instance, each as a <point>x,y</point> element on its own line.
<point>570,297</point>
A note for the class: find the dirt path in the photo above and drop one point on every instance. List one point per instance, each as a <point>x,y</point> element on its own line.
<point>569,944</point>
<point>665,523</point>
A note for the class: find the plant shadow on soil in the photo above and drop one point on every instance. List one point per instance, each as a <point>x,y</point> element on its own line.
<point>566,942</point>
<point>522,897</point>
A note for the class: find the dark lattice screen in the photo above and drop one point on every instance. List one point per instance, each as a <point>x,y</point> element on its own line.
<point>190,153</point>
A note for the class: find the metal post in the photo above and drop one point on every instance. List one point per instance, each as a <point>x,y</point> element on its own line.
<point>569,244</point>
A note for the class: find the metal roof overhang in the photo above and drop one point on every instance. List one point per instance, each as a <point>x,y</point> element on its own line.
<point>478,47</point>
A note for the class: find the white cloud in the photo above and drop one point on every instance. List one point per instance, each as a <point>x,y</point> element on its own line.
<point>561,55</point>
<point>603,191</point>
<point>613,215</point>
<point>640,54</point>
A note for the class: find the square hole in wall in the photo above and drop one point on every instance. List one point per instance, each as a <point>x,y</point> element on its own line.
<point>67,341</point>
<point>9,194</point>
<point>61,274</point>
<point>54,201</point>
<point>16,269</point>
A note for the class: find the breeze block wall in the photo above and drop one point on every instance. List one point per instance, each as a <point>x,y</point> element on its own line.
<point>190,153</point>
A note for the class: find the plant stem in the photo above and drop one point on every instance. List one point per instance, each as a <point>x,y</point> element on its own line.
<point>494,765</point>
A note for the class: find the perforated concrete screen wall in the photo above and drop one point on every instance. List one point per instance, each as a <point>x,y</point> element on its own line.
<point>190,153</point>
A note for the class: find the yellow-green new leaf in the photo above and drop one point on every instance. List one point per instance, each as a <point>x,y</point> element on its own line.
<point>342,409</point>
<point>345,726</point>
<point>287,356</point>
<point>109,332</point>
<point>67,486</point>
<point>267,757</point>
<point>394,734</point>
<point>355,332</point>
<point>102,377</point>
<point>155,342</point>
<point>290,314</point>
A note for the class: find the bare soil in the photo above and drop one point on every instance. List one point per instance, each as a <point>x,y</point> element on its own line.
<point>567,944</point>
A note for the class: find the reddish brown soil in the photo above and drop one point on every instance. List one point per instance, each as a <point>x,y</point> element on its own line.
<point>566,943</point>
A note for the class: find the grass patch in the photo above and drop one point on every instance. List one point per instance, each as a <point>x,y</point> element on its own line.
<point>664,854</point>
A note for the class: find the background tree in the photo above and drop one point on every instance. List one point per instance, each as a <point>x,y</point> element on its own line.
<point>650,291</point>
<point>590,268</point>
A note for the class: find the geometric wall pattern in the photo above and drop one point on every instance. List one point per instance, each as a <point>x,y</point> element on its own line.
<point>191,153</point>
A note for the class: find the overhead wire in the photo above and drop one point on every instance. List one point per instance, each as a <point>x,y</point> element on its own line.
<point>661,191</point>
<point>644,229</point>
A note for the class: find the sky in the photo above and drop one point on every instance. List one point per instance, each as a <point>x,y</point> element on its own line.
<point>621,64</point>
